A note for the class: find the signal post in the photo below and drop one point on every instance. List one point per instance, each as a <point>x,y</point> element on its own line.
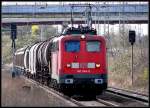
<point>132,41</point>
<point>13,37</point>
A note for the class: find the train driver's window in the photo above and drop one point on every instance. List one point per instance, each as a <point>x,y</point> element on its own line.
<point>72,46</point>
<point>93,46</point>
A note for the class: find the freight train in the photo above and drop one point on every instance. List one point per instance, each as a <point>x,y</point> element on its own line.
<point>73,62</point>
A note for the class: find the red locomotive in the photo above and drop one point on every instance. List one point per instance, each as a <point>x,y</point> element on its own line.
<point>72,62</point>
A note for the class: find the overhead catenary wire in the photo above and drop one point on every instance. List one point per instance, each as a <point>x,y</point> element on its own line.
<point>109,37</point>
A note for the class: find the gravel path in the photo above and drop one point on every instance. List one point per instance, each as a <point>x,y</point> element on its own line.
<point>18,92</point>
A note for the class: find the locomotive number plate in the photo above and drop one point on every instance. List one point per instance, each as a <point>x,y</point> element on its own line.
<point>83,71</point>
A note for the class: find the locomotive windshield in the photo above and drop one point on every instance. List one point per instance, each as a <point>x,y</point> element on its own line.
<point>72,46</point>
<point>93,46</point>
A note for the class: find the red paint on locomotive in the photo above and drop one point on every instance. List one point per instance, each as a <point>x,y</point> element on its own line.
<point>83,57</point>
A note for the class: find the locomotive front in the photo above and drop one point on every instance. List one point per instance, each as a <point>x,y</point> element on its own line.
<point>83,62</point>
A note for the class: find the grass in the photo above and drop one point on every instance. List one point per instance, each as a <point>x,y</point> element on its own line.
<point>20,42</point>
<point>6,49</point>
<point>119,70</point>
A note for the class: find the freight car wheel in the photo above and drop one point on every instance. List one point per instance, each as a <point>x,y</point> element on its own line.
<point>55,85</point>
<point>27,75</point>
<point>48,81</point>
<point>52,84</point>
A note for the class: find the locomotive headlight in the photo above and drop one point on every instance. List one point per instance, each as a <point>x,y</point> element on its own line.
<point>82,36</point>
<point>98,65</point>
<point>68,65</point>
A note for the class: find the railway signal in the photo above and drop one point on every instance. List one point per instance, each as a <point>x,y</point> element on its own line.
<point>13,31</point>
<point>132,37</point>
<point>13,37</point>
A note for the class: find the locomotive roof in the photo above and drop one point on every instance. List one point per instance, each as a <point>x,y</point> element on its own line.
<point>79,30</point>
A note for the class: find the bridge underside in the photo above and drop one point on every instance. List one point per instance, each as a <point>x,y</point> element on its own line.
<point>58,14</point>
<point>60,18</point>
<point>75,22</point>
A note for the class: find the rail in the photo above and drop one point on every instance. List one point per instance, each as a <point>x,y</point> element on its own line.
<point>129,94</point>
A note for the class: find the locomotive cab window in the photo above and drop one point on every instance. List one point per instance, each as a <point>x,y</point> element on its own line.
<point>72,46</point>
<point>93,46</point>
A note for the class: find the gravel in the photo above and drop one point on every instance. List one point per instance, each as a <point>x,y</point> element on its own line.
<point>18,92</point>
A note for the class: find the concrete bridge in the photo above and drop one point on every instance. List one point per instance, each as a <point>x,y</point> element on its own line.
<point>59,14</point>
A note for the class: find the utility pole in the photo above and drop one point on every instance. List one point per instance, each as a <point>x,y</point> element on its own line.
<point>89,18</point>
<point>98,19</point>
<point>41,37</point>
<point>119,20</point>
<point>72,15</point>
<point>104,7</point>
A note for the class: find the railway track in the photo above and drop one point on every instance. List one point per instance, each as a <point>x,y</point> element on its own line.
<point>108,98</point>
<point>130,94</point>
<point>112,99</point>
<point>120,97</point>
